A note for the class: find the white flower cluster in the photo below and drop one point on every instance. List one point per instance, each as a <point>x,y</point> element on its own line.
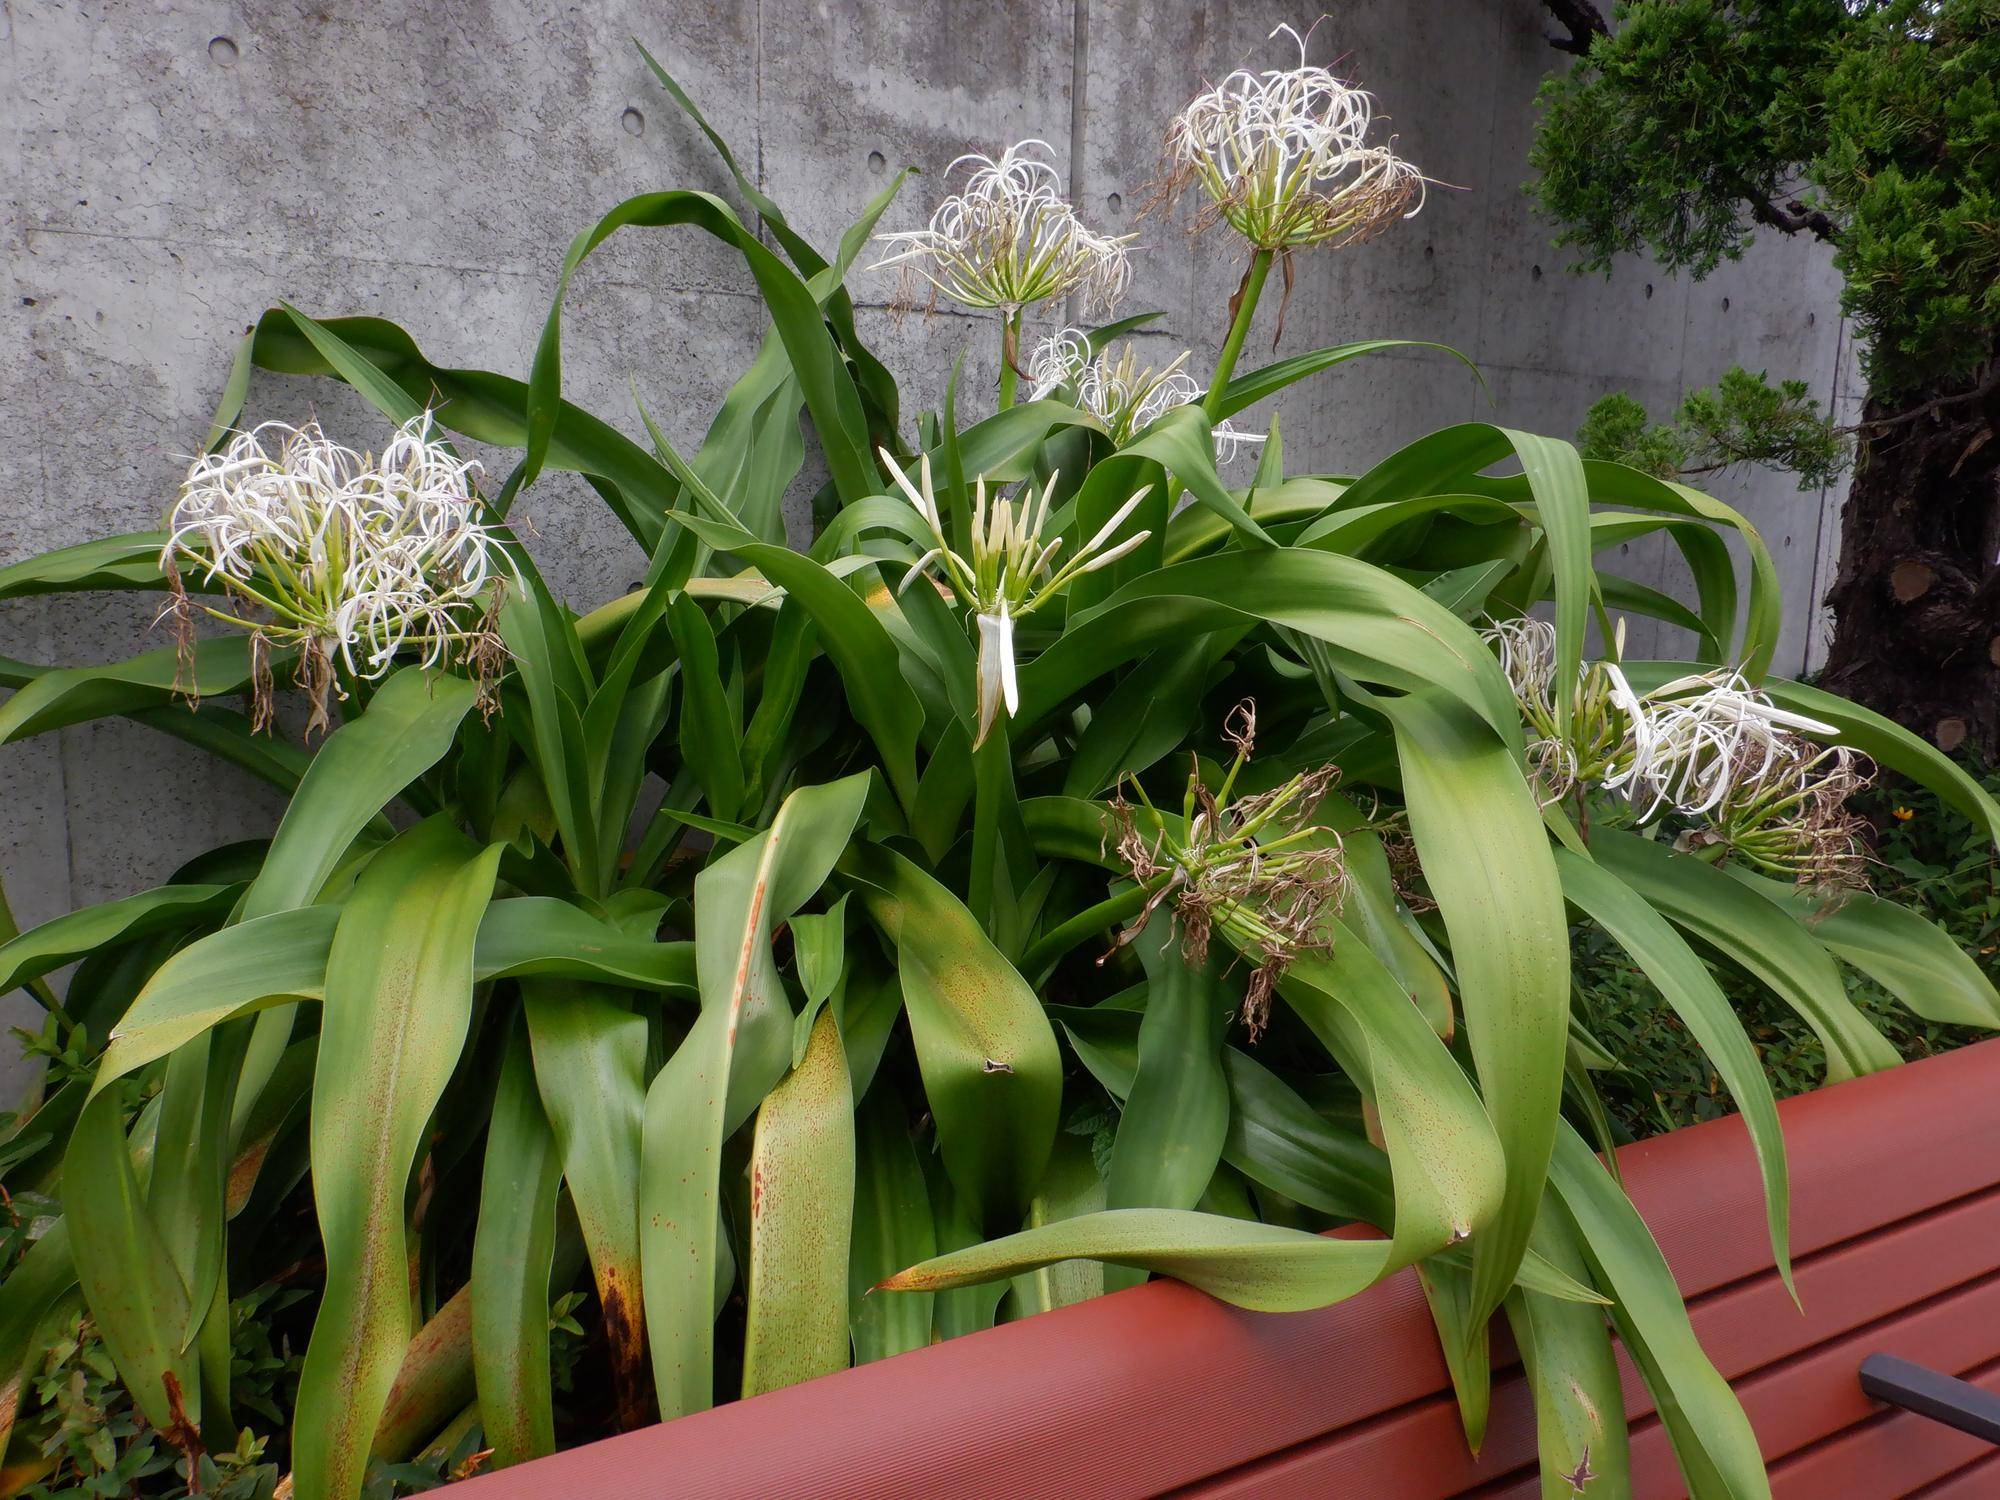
<point>1124,395</point>
<point>1009,239</point>
<point>1010,573</point>
<point>1284,158</point>
<point>1686,745</point>
<point>1708,746</point>
<point>346,553</point>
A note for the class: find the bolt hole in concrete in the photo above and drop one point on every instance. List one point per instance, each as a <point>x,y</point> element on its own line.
<point>1535,273</point>
<point>1725,304</point>
<point>1649,291</point>
<point>877,162</point>
<point>222,52</point>
<point>1115,202</point>
<point>633,121</point>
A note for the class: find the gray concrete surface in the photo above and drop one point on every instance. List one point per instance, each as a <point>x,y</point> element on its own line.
<point>169,169</point>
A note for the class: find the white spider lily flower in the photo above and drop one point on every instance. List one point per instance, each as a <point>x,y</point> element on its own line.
<point>1639,724</point>
<point>1714,735</point>
<point>335,552</point>
<point>1010,571</point>
<point>1609,736</point>
<point>998,681</point>
<point>1121,393</point>
<point>1009,239</point>
<point>1284,158</point>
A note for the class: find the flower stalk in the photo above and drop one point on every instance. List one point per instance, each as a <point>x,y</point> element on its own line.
<point>1242,308</point>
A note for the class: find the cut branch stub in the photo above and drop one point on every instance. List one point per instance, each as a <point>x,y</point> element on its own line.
<point>1911,580</point>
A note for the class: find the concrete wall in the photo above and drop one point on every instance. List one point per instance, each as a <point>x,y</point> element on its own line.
<point>170,169</point>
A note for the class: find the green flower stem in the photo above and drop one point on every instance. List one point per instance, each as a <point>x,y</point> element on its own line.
<point>1114,911</point>
<point>1010,348</point>
<point>1239,329</point>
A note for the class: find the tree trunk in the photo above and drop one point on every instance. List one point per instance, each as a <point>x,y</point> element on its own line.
<point>1916,600</point>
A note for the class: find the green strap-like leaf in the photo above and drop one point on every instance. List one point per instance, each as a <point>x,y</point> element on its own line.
<point>58,697</point>
<point>54,943</point>
<point>406,729</point>
<point>1572,1375</point>
<point>1275,1137</point>
<point>1711,1436</point>
<point>893,1228</point>
<point>135,1292</point>
<point>992,1071</point>
<point>399,990</point>
<point>828,386</point>
<point>283,956</point>
<point>1752,932</point>
<point>738,1049</point>
<point>801,1221</point>
<point>1248,390</point>
<point>513,1247</point>
<point>852,636</point>
<point>129,561</point>
<point>1486,858</point>
<point>1698,1000</point>
<point>590,1065</point>
<point>1907,954</point>
<point>1176,1116</point>
<point>1377,628</point>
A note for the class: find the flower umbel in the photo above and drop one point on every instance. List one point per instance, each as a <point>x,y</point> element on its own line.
<point>1009,239</point>
<point>1707,747</point>
<point>1011,571</point>
<point>1791,819</point>
<point>1257,868</point>
<point>1284,158</point>
<point>342,553</point>
<point>1124,395</point>
<point>1609,737</point>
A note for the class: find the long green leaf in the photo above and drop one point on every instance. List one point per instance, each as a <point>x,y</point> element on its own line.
<point>135,1291</point>
<point>590,1066</point>
<point>1698,1000</point>
<point>1908,955</point>
<point>1711,1437</point>
<point>61,696</point>
<point>1175,1121</point>
<point>1761,937</point>
<point>1572,1375</point>
<point>991,1068</point>
<point>1377,628</point>
<point>893,1228</point>
<point>399,987</point>
<point>1486,858</point>
<point>801,1221</point>
<point>739,1048</point>
<point>513,1246</point>
<point>54,943</point>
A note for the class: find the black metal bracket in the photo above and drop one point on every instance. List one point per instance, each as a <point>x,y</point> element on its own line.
<point>1942,1398</point>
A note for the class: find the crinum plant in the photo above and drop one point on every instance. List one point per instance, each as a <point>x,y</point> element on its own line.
<point>853,872</point>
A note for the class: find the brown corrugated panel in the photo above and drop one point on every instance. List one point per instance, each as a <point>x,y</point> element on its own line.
<point>1159,1388</point>
<point>1978,1480</point>
<point>1751,1326</point>
<point>1897,1453</point>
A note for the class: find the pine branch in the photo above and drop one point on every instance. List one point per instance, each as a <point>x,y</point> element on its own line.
<point>1793,218</point>
<point>1583,21</point>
